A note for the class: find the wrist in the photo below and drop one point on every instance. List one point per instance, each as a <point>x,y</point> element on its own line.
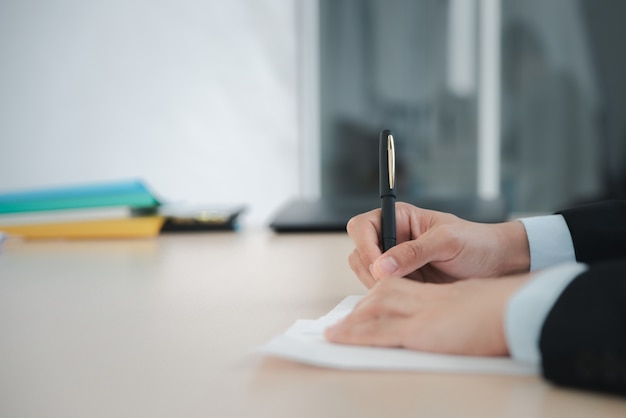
<point>505,290</point>
<point>513,248</point>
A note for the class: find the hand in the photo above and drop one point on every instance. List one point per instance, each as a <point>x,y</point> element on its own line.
<point>465,317</point>
<point>436,247</point>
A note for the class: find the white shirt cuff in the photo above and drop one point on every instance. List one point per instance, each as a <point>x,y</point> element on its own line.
<point>529,307</point>
<point>549,240</point>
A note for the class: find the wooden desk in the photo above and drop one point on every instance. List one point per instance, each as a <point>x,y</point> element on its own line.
<point>167,327</point>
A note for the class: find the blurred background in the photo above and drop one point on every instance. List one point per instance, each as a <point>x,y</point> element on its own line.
<point>258,101</point>
<point>196,97</point>
<point>544,78</point>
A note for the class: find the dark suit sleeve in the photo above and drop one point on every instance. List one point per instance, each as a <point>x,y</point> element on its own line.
<point>598,230</point>
<point>583,339</point>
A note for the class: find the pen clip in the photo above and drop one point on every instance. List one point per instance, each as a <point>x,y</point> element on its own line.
<point>391,161</point>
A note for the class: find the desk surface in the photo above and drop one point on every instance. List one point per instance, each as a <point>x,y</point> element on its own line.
<point>167,327</point>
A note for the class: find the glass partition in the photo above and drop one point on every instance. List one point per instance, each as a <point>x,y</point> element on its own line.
<point>414,67</point>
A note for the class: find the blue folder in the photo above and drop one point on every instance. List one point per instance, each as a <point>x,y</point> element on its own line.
<point>130,193</point>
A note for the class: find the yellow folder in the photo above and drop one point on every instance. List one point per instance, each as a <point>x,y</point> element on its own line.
<point>132,227</point>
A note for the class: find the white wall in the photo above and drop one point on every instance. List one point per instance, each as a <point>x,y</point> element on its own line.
<point>197,97</point>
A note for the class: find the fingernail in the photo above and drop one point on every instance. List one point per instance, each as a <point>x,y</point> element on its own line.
<point>387,265</point>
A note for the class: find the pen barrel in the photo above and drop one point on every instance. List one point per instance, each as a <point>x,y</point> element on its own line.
<point>388,204</point>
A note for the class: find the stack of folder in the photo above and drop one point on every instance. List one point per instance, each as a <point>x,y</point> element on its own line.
<point>120,209</point>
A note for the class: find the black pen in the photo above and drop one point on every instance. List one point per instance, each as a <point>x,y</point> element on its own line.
<point>387,187</point>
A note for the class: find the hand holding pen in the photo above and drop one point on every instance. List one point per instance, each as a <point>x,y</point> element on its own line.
<point>436,247</point>
<point>402,240</point>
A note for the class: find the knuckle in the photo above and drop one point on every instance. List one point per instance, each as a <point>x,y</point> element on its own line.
<point>451,236</point>
<point>354,223</point>
<point>408,253</point>
<point>375,307</point>
<point>351,225</point>
<point>446,230</point>
<point>359,221</point>
<point>415,251</point>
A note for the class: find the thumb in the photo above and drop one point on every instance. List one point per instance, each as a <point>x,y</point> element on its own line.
<point>405,258</point>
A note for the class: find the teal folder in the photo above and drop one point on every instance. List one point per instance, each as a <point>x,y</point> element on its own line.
<point>130,193</point>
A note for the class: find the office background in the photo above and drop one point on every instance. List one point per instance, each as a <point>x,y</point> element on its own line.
<point>256,101</point>
<point>419,66</point>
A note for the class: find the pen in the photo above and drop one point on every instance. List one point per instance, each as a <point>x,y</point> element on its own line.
<point>387,187</point>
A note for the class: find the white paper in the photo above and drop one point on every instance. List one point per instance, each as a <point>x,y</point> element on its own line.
<point>304,342</point>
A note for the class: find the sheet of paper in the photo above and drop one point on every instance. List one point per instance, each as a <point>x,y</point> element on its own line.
<point>304,342</point>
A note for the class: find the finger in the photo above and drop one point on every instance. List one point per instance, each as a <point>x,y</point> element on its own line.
<point>409,219</point>
<point>438,244</point>
<point>364,230</point>
<point>392,297</point>
<point>361,270</point>
<point>380,332</point>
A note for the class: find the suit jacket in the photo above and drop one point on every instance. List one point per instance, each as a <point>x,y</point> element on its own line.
<point>583,340</point>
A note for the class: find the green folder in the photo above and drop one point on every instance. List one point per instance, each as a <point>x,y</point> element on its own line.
<point>130,193</point>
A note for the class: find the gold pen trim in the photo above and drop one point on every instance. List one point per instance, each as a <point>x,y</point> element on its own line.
<point>391,161</point>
